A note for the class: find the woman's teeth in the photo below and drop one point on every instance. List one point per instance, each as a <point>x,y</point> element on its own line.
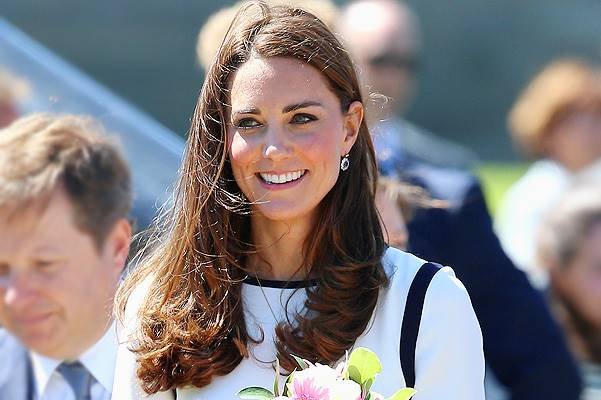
<point>282,178</point>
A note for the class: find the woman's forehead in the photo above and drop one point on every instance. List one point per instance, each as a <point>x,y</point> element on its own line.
<point>278,78</point>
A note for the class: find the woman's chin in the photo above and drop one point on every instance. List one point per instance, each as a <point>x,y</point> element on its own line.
<point>282,211</point>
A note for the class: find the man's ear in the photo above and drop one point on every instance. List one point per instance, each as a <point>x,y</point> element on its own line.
<point>352,122</point>
<point>118,243</point>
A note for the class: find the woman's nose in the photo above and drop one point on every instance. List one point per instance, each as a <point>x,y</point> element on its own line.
<point>277,143</point>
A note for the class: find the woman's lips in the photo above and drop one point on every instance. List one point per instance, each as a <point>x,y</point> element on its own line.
<point>271,180</point>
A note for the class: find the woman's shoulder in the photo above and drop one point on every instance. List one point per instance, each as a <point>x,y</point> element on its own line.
<point>445,293</point>
<point>401,268</point>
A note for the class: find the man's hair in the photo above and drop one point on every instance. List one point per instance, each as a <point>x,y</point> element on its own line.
<point>43,152</point>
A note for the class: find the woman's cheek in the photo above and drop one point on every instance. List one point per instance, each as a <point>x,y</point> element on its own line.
<point>240,150</point>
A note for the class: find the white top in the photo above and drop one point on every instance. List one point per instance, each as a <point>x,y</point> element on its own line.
<point>99,360</point>
<point>524,206</point>
<point>449,358</point>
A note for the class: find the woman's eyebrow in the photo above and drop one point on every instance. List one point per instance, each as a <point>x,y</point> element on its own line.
<point>250,110</point>
<point>304,104</point>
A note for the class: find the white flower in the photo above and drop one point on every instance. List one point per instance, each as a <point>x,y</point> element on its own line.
<point>376,396</point>
<point>345,390</point>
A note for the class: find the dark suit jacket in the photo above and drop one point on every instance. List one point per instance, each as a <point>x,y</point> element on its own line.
<point>16,378</point>
<point>522,344</point>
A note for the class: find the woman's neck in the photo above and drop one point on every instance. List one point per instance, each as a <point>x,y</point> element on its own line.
<point>279,247</point>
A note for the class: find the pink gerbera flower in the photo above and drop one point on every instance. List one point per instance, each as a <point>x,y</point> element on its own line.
<point>307,389</point>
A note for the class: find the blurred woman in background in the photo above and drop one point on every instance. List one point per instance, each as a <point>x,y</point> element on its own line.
<point>556,120</point>
<point>569,248</point>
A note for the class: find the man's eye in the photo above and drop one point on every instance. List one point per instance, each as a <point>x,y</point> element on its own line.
<point>44,264</point>
<point>246,123</point>
<point>303,118</point>
<point>4,270</point>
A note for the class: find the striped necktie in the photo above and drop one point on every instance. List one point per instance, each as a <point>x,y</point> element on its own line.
<point>78,377</point>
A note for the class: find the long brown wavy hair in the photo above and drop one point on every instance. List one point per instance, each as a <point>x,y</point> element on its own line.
<point>191,324</point>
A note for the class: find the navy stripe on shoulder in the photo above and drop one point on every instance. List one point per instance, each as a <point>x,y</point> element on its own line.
<point>412,318</point>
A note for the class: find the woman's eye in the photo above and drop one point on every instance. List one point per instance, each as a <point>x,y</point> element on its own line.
<point>303,118</point>
<point>246,123</point>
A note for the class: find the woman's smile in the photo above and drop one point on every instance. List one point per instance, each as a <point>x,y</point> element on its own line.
<point>281,180</point>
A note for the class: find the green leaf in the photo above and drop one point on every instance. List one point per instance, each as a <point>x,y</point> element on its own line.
<point>276,381</point>
<point>403,394</point>
<point>364,365</point>
<point>255,393</point>
<point>367,385</point>
<point>354,374</point>
<point>302,363</point>
<point>288,381</point>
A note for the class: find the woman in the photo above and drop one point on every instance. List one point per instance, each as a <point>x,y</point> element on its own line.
<point>556,120</point>
<point>274,246</point>
<point>569,247</point>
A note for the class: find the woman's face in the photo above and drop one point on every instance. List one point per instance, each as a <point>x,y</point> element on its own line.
<point>580,281</point>
<point>286,136</point>
<point>576,141</point>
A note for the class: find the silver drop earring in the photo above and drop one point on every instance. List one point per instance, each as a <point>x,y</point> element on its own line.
<point>344,163</point>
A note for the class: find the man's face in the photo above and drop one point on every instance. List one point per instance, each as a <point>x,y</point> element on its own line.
<point>383,37</point>
<point>56,286</point>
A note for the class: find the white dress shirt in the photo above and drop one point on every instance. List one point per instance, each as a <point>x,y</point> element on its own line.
<point>99,360</point>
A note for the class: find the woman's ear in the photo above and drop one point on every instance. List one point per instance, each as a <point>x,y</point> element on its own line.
<point>352,123</point>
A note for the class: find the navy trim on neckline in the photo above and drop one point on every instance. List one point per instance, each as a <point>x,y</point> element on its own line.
<point>254,281</point>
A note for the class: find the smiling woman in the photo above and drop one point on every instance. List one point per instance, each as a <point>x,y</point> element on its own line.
<point>274,246</point>
<point>287,139</point>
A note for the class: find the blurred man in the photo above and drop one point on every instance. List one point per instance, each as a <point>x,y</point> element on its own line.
<point>522,345</point>
<point>384,38</point>
<point>65,195</point>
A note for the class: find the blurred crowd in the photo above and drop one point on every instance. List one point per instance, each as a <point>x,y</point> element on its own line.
<point>534,275</point>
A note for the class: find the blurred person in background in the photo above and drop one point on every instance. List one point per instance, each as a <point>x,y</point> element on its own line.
<point>523,346</point>
<point>65,196</point>
<point>12,90</point>
<point>397,202</point>
<point>384,38</point>
<point>214,29</point>
<point>569,248</point>
<point>557,121</point>
<point>393,207</point>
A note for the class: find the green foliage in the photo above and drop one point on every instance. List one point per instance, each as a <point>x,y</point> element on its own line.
<point>255,393</point>
<point>496,178</point>
<point>363,366</point>
<point>403,394</point>
<point>301,362</point>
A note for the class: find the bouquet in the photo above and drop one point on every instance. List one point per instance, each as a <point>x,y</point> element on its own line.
<point>350,380</point>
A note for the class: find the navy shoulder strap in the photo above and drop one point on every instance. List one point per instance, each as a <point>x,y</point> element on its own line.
<point>412,318</point>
